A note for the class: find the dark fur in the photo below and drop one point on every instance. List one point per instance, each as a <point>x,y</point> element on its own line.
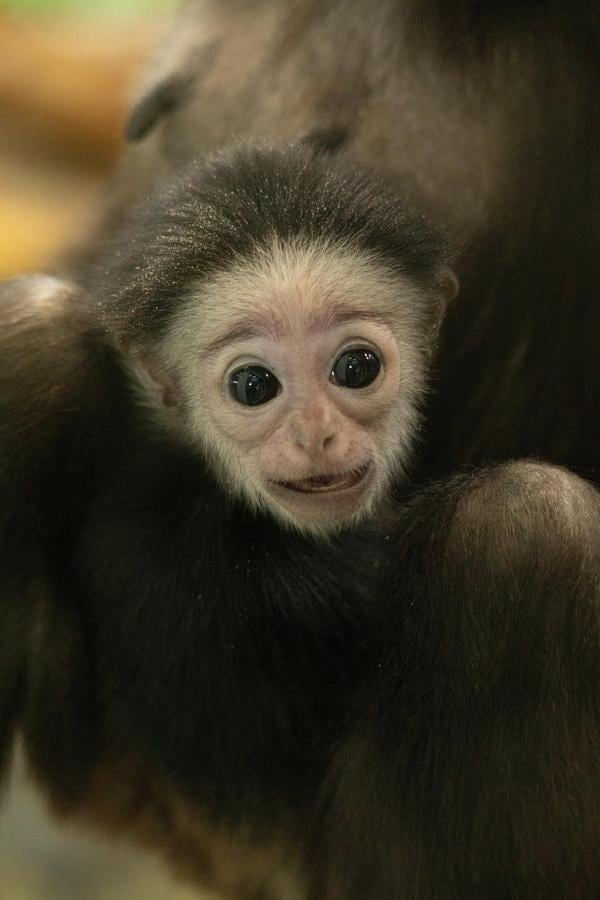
<point>226,209</point>
<point>61,384</point>
<point>474,763</point>
<point>426,727</point>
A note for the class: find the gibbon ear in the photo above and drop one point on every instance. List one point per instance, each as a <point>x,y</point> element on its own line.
<point>446,288</point>
<point>167,93</point>
<point>161,100</point>
<point>448,283</point>
<point>326,138</point>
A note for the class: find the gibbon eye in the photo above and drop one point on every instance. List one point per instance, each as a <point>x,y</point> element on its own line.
<point>356,368</point>
<point>253,385</point>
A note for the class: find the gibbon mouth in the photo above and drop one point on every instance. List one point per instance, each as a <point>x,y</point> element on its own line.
<point>322,484</point>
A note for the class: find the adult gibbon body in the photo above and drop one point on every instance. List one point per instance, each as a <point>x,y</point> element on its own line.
<point>487,112</point>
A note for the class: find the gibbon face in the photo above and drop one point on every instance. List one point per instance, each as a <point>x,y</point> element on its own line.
<point>299,372</point>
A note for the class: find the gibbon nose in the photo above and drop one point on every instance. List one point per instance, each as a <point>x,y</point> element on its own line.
<point>314,430</point>
<point>313,438</point>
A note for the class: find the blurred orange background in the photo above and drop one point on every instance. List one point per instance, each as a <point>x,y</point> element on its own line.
<point>66,83</point>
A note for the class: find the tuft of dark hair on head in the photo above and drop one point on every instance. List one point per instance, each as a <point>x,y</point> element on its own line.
<point>223,210</point>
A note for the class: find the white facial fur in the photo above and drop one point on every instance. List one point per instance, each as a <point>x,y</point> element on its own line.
<point>294,310</point>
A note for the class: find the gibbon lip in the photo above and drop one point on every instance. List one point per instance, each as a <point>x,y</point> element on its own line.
<point>327,482</point>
